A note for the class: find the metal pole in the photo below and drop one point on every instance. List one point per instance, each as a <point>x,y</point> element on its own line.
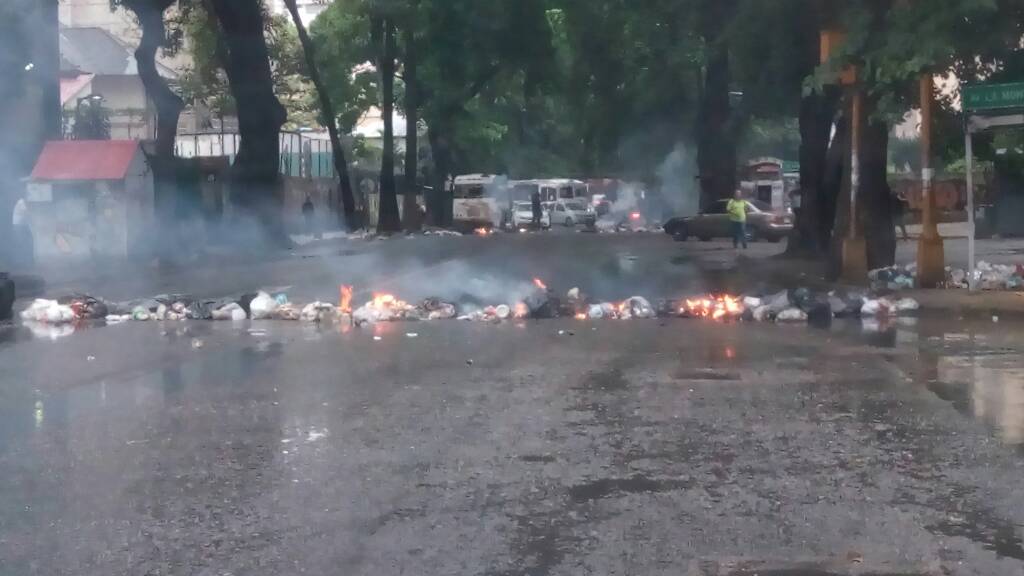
<point>854,249</point>
<point>931,258</point>
<point>969,146</point>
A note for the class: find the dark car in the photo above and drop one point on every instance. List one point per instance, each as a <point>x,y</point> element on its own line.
<point>762,223</point>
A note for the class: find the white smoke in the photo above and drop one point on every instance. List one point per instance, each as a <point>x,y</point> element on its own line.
<point>678,178</point>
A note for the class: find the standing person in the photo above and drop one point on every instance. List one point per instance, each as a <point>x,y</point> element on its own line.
<point>308,212</point>
<point>538,215</point>
<point>899,213</point>
<point>737,210</point>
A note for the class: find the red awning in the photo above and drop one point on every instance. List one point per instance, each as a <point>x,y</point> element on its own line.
<point>85,160</point>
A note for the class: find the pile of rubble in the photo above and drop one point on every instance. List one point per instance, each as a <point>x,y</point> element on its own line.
<point>800,305</point>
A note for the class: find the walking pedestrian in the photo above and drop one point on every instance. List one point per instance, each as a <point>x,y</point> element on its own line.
<point>309,212</point>
<point>538,213</point>
<point>737,210</point>
<point>899,212</point>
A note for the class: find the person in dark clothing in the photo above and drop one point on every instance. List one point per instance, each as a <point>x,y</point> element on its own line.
<point>309,211</point>
<point>538,214</point>
<point>899,213</point>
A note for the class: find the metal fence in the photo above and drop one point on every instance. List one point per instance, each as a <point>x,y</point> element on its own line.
<point>302,156</point>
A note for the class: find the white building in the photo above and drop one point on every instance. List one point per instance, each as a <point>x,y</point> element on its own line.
<point>308,9</point>
<point>94,63</point>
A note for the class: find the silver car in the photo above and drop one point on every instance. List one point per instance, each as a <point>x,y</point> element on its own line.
<point>762,223</point>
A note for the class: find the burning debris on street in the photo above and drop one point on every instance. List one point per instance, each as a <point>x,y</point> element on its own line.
<point>541,302</point>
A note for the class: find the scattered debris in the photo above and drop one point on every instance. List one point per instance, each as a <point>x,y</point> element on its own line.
<point>197,343</point>
<point>796,305</point>
<point>893,277</point>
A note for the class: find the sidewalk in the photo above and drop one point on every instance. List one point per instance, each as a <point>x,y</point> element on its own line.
<point>810,274</point>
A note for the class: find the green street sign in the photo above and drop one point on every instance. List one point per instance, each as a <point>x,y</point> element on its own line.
<point>981,97</point>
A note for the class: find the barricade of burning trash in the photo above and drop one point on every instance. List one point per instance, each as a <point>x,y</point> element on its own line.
<point>800,305</point>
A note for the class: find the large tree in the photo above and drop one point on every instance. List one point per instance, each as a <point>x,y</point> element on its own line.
<point>255,174</point>
<point>328,116</point>
<point>169,105</point>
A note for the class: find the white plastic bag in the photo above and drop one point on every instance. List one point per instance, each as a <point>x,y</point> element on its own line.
<point>48,312</point>
<point>263,306</point>
<point>792,315</point>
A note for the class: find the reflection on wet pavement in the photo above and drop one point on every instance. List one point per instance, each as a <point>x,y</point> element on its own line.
<point>509,449</point>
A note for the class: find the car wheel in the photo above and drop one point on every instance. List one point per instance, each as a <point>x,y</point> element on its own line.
<point>568,222</point>
<point>680,234</point>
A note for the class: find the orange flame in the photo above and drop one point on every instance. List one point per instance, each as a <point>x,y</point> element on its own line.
<point>383,301</point>
<point>482,232</point>
<point>345,303</point>
<point>581,316</point>
<point>540,284</point>
<point>714,307</point>
<point>521,310</point>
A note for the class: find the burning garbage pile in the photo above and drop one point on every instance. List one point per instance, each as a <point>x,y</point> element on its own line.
<point>538,302</point>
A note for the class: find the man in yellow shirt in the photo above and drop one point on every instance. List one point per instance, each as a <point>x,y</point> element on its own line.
<point>737,210</point>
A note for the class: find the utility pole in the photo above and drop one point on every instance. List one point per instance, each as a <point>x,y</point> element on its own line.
<point>854,247</point>
<point>931,259</point>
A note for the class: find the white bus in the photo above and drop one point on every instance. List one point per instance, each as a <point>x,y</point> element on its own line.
<point>549,190</point>
<point>478,200</point>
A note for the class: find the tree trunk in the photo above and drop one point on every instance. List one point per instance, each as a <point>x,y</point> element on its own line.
<point>875,203</point>
<point>410,208</point>
<point>874,206</point>
<point>348,202</point>
<point>168,109</point>
<point>255,175</point>
<point>817,115</point>
<point>837,194</point>
<point>440,149</point>
<point>388,219</point>
<point>716,143</point>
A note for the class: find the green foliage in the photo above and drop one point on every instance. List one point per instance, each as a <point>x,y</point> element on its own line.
<point>205,80</point>
<point>91,121</point>
<point>341,35</point>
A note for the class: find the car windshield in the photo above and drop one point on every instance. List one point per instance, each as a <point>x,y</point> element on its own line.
<point>576,206</point>
<point>523,207</point>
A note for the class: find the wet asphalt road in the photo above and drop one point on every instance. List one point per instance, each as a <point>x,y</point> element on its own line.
<point>639,447</point>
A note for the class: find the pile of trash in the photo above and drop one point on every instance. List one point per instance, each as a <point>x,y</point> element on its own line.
<point>894,277</point>
<point>988,276</point>
<point>800,305</point>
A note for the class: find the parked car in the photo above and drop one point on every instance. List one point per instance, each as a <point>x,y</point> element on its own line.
<point>571,212</point>
<point>522,216</point>
<point>762,223</point>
